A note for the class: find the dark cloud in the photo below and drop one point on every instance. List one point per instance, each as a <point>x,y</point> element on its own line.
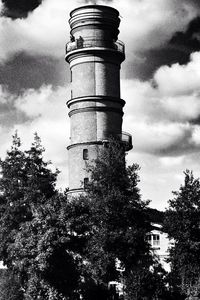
<point>24,72</point>
<point>95,1</point>
<point>149,61</point>
<point>19,8</point>
<point>183,145</point>
<point>190,39</point>
<point>177,50</point>
<point>196,3</point>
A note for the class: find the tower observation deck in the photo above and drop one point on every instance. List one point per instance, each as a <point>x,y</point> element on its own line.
<point>96,109</point>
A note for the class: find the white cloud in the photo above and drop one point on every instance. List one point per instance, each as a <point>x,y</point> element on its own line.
<point>47,115</point>
<point>4,95</point>
<point>164,117</point>
<point>182,108</point>
<point>163,138</point>
<point>44,32</point>
<point>44,103</point>
<point>196,136</point>
<point>157,180</point>
<point>169,161</point>
<point>5,143</point>
<point>161,176</point>
<point>47,108</point>
<point>180,80</point>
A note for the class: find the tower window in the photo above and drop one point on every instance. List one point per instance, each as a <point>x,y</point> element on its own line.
<point>70,75</point>
<point>85,154</point>
<point>85,182</point>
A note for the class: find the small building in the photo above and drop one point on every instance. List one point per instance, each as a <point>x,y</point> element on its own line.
<point>160,244</point>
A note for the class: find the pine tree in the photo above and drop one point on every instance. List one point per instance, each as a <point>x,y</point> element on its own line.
<point>40,179</point>
<point>26,181</point>
<point>13,206</point>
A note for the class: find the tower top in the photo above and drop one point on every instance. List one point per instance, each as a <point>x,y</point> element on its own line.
<point>96,17</point>
<point>95,7</point>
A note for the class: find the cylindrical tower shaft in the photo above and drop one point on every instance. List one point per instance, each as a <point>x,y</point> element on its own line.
<point>96,109</point>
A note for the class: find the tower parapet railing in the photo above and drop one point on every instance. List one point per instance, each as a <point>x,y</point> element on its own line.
<point>91,42</point>
<point>123,137</point>
<point>126,139</point>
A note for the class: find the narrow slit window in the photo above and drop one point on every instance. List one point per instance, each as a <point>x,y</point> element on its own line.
<point>85,182</point>
<point>70,75</point>
<point>85,154</point>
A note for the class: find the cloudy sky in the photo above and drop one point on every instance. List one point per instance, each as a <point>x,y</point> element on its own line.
<point>160,82</point>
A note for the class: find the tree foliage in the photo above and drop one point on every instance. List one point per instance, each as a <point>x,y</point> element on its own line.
<point>59,248</point>
<point>119,219</point>
<point>43,235</point>
<point>183,226</point>
<point>50,258</point>
<point>26,181</point>
<point>10,288</point>
<point>26,185</point>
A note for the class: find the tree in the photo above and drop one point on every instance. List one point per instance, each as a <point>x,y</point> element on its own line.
<point>182,223</point>
<point>40,179</point>
<point>119,220</point>
<point>12,207</point>
<point>62,248</point>
<point>45,255</point>
<point>26,183</point>
<point>43,234</point>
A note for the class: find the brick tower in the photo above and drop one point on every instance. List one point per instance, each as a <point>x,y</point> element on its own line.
<point>96,109</point>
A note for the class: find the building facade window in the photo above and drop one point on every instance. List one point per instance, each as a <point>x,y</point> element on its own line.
<point>153,240</point>
<point>85,154</point>
<point>156,240</point>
